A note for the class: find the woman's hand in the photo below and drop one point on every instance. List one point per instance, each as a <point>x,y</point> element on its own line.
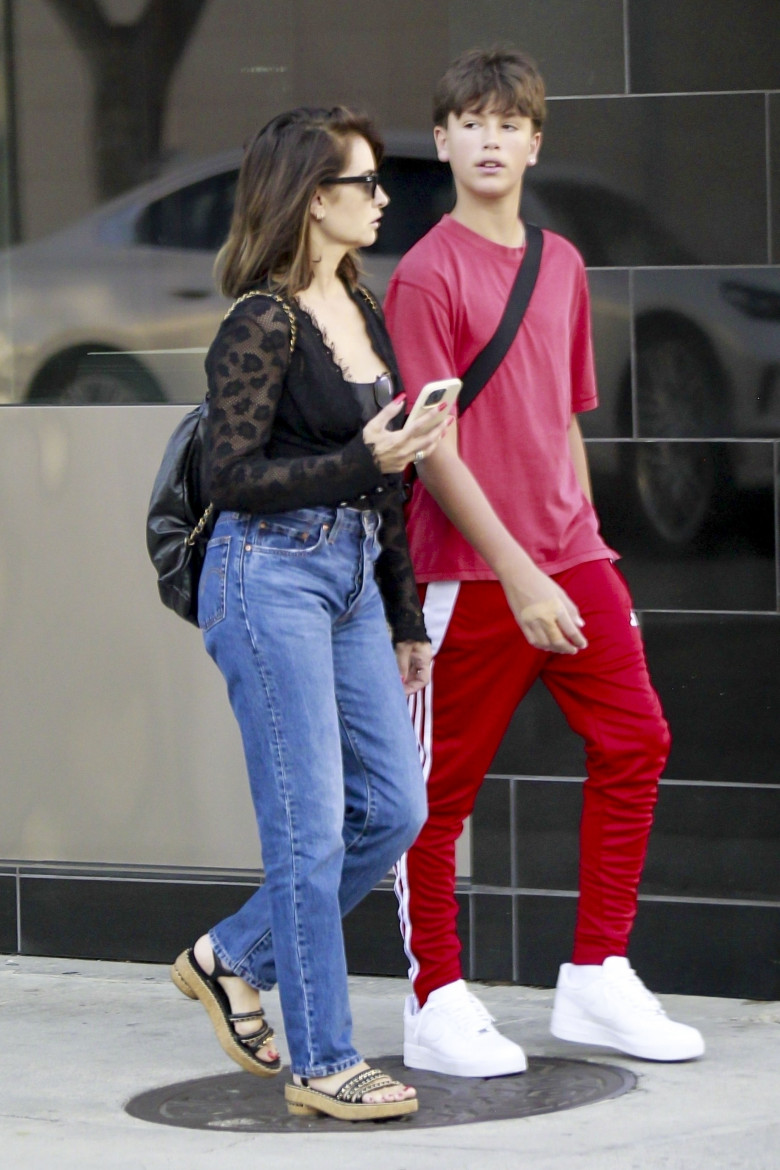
<point>414,663</point>
<point>392,451</point>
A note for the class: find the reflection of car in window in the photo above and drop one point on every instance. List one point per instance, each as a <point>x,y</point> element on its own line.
<point>121,306</point>
<point>610,229</point>
<point>706,368</point>
<point>196,216</point>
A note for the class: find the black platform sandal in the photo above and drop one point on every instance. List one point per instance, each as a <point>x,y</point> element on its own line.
<point>192,980</point>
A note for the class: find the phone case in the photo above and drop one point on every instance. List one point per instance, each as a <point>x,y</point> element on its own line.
<point>433,394</point>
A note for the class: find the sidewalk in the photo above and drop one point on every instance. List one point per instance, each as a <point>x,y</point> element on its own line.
<point>78,1039</point>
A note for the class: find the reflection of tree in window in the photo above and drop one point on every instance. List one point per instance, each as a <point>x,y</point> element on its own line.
<point>131,67</point>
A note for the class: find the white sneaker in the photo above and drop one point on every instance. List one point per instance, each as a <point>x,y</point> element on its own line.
<point>610,1006</point>
<point>454,1034</point>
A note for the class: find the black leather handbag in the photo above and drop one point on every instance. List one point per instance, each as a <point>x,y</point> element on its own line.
<point>180,519</point>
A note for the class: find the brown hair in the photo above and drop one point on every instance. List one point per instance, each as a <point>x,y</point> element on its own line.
<point>506,79</point>
<point>283,165</point>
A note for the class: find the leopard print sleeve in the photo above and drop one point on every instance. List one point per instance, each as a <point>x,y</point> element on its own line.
<point>395,575</point>
<point>246,369</point>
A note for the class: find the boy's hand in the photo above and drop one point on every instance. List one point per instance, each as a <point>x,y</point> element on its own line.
<point>552,622</point>
<point>545,613</point>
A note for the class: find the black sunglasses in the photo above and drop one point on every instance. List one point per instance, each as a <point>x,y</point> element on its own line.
<point>370,181</point>
<point>383,390</point>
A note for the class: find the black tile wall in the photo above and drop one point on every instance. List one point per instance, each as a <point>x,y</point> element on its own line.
<point>464,927</point>
<point>491,937</point>
<point>491,840</point>
<point>547,833</point>
<point>611,319</point>
<point>773,112</point>
<point>545,930</point>
<point>709,947</point>
<point>777,520</point>
<point>624,178</point>
<point>708,840</point>
<point>538,741</point>
<point>733,950</point>
<point>703,45</point>
<point>679,948</point>
<point>372,936</point>
<point>712,841</point>
<point>717,678</point>
<point>147,921</point>
<point>8,938</point>
<point>588,59</point>
<point>152,920</point>
<point>693,522</point>
<point>707,352</point>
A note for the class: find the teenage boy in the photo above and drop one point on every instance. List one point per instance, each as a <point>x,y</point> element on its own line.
<point>518,584</point>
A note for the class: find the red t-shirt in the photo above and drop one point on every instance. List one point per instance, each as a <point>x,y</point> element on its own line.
<point>443,305</point>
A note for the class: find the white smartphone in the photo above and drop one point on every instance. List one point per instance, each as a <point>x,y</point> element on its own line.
<point>433,394</point>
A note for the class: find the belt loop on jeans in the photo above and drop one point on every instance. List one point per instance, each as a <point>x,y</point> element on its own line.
<point>370,520</point>
<point>244,523</point>
<point>336,523</point>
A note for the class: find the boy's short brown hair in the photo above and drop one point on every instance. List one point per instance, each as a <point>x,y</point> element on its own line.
<point>504,79</point>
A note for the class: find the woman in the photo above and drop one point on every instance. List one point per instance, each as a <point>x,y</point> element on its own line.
<point>305,448</point>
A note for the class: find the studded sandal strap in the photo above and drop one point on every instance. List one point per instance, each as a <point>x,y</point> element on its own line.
<point>220,970</point>
<point>259,1039</point>
<point>257,1014</point>
<point>255,1040</point>
<point>368,1081</point>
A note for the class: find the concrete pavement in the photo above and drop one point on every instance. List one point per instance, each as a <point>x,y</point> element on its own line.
<point>78,1039</point>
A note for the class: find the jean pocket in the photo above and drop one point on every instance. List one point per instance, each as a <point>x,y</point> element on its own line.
<point>289,535</point>
<point>212,589</point>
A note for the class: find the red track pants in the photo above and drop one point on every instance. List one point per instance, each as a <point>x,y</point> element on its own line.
<point>483,667</point>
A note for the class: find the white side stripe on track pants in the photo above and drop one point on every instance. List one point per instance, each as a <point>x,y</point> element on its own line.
<point>438,608</point>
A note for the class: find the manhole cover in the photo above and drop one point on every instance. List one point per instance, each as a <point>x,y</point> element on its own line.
<point>239,1101</point>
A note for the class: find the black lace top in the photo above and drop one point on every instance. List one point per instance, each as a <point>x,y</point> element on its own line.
<point>284,431</point>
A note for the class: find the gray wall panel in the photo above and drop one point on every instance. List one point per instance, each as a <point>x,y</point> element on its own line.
<point>118,742</point>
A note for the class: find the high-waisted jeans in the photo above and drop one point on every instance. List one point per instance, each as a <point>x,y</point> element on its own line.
<point>291,614</point>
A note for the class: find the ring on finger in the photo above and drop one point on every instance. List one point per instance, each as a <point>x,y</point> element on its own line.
<point>418,455</point>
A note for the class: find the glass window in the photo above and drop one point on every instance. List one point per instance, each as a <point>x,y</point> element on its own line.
<point>120,137</point>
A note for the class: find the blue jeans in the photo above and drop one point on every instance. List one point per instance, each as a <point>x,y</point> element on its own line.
<point>291,614</point>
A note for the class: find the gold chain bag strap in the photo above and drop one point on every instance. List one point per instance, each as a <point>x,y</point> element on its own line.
<point>177,524</point>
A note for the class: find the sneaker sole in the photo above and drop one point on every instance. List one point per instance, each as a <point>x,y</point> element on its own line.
<point>579,1031</point>
<point>416,1056</point>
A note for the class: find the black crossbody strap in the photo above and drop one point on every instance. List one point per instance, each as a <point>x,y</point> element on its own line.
<point>490,358</point>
